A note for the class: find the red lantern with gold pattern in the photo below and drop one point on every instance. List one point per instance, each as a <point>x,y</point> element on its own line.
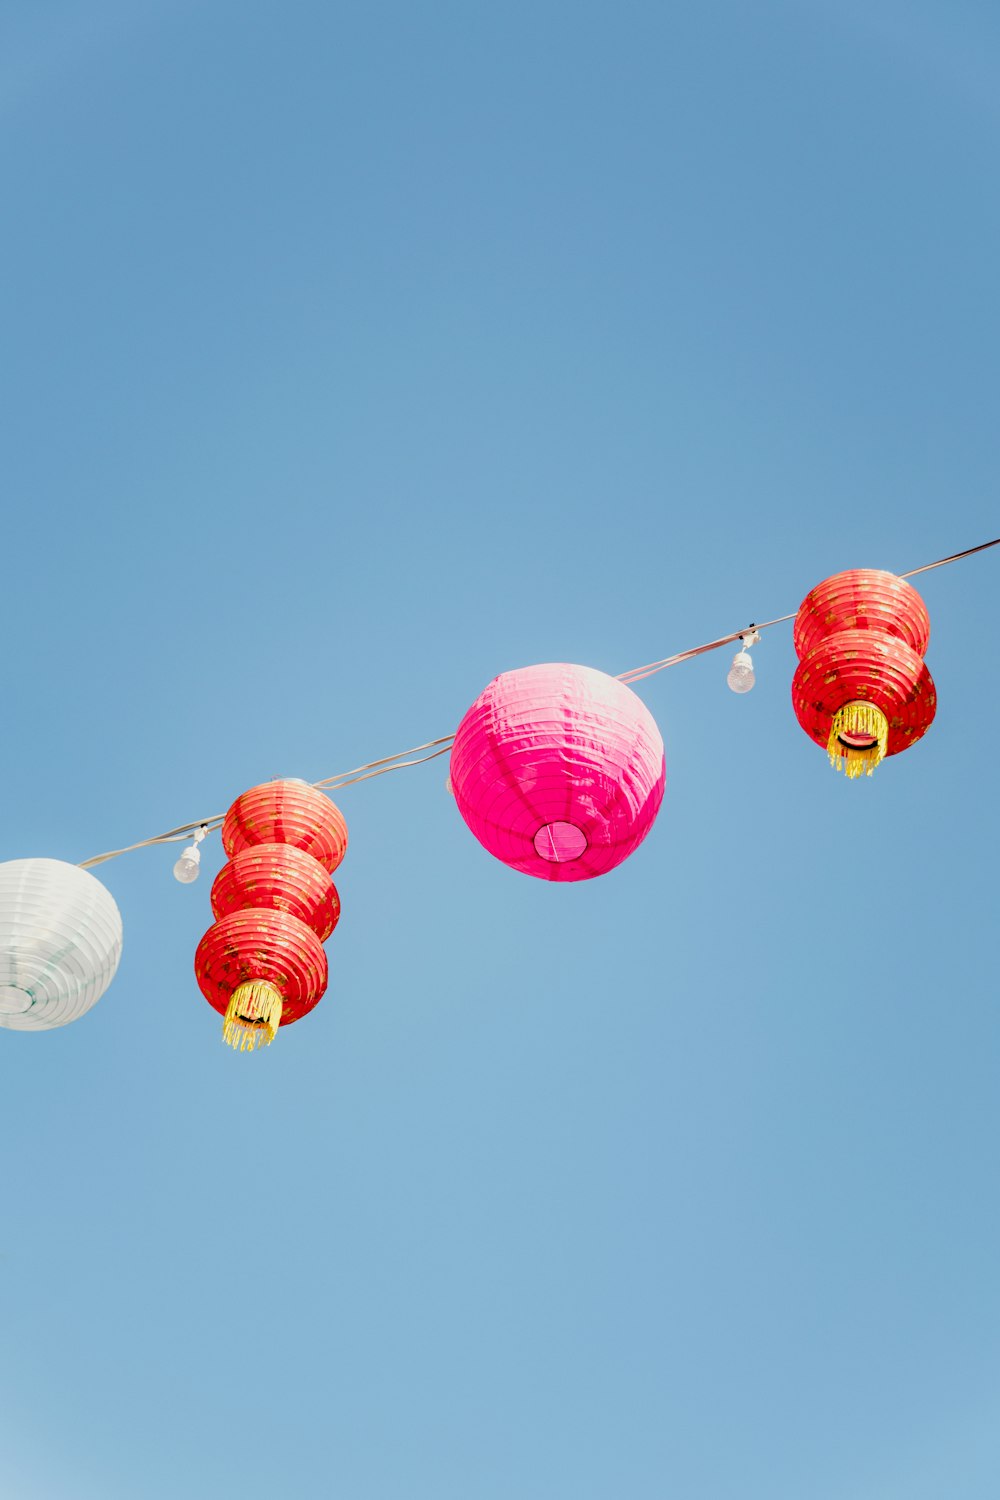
<point>282,878</point>
<point>260,969</point>
<point>287,812</point>
<point>862,599</point>
<point>862,689</point>
<point>263,964</point>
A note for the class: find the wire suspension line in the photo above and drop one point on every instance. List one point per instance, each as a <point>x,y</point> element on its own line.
<point>441,746</point>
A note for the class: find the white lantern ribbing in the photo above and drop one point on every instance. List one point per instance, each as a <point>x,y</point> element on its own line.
<point>60,942</point>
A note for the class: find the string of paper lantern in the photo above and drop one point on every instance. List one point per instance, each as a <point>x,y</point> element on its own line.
<point>442,745</point>
<point>558,770</point>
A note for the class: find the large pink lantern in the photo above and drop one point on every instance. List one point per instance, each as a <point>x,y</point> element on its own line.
<point>558,770</point>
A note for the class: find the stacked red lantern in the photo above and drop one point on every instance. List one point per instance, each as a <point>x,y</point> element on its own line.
<point>263,965</point>
<point>862,688</point>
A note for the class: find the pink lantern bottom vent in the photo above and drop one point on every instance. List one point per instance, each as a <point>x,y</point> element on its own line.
<point>560,842</point>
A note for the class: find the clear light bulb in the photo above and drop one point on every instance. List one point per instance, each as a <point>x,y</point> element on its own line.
<point>741,676</point>
<point>187,867</point>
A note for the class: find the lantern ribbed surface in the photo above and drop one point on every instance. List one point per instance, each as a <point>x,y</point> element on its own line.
<point>857,666</point>
<point>257,944</point>
<point>861,688</point>
<point>262,964</point>
<point>558,770</point>
<point>862,599</point>
<point>282,878</point>
<point>60,943</point>
<point>287,812</point>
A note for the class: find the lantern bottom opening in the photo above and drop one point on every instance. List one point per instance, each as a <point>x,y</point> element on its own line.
<point>858,738</point>
<point>560,842</point>
<point>253,1016</point>
<point>14,1001</point>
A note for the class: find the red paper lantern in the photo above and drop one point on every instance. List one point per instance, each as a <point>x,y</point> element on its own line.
<point>287,812</point>
<point>862,599</point>
<point>862,689</point>
<point>282,878</point>
<point>260,969</point>
<point>262,964</point>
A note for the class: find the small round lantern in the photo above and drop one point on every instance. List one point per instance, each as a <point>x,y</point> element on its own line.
<point>282,878</point>
<point>862,689</point>
<point>260,969</point>
<point>558,770</point>
<point>862,599</point>
<point>262,964</point>
<point>287,812</point>
<point>60,942</point>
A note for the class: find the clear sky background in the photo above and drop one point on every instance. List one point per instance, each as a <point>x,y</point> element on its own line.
<point>353,354</point>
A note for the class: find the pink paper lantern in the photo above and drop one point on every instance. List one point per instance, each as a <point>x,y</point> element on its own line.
<point>558,770</point>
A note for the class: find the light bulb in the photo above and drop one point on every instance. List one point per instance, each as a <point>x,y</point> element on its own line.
<point>741,677</point>
<point>187,867</point>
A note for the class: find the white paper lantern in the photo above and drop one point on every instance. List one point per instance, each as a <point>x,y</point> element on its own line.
<point>60,942</point>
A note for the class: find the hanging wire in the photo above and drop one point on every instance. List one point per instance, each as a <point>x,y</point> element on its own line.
<point>175,836</point>
<point>346,778</point>
<point>334,785</point>
<point>955,557</point>
<point>443,745</point>
<point>638,673</point>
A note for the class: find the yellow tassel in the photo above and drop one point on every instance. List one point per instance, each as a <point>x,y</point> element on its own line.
<point>858,739</point>
<point>252,1016</point>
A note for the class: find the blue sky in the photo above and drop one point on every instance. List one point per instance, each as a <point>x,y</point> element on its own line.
<point>351,356</point>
